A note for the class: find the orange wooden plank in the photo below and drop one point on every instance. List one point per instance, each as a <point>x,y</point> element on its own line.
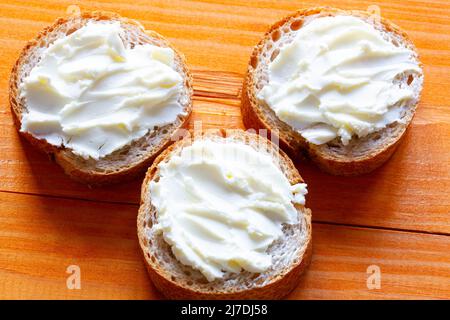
<point>40,237</point>
<point>218,35</point>
<point>411,191</point>
<point>412,266</point>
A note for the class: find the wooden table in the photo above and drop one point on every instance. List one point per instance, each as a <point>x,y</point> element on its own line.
<point>397,218</point>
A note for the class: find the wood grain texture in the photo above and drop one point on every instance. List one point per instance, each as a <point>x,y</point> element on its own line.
<point>397,216</point>
<point>41,236</point>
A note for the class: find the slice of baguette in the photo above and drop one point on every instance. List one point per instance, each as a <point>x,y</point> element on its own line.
<point>291,255</point>
<point>361,155</point>
<point>129,161</point>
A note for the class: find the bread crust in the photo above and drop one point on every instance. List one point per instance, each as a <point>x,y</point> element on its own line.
<point>290,140</point>
<point>71,163</point>
<point>277,288</point>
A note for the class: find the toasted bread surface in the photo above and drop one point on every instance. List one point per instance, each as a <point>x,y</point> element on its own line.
<point>122,164</point>
<point>361,155</point>
<point>177,281</point>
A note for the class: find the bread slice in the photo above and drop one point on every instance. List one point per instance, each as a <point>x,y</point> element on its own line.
<point>291,255</point>
<point>130,160</point>
<point>361,155</point>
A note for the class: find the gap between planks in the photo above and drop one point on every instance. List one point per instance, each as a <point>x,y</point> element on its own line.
<point>329,223</point>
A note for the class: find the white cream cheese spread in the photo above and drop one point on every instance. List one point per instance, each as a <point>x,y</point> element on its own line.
<point>221,205</point>
<point>337,78</point>
<point>92,93</point>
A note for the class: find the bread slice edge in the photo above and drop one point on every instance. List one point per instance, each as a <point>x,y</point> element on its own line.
<point>121,165</point>
<point>262,117</point>
<point>276,288</point>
